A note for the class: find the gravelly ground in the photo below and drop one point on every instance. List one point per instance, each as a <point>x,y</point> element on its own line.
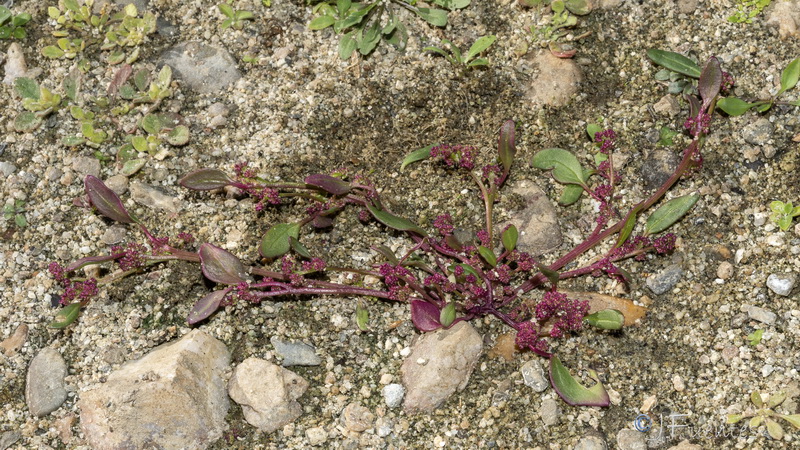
<point>301,109</point>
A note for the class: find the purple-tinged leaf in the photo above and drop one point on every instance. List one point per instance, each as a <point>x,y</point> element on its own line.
<point>206,306</point>
<point>329,184</point>
<point>276,240</point>
<point>506,147</point>
<point>387,253</point>
<point>75,265</point>
<point>220,265</point>
<point>392,221</point>
<point>453,242</point>
<point>66,316</point>
<point>205,180</point>
<point>674,62</point>
<point>710,81</point>
<point>105,200</point>
<point>321,221</point>
<point>120,77</point>
<point>425,316</point>
<point>694,105</point>
<point>573,392</point>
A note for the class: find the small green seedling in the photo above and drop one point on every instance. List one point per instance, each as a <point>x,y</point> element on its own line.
<point>765,415</point>
<point>71,15</point>
<point>129,31</point>
<point>65,48</point>
<point>38,103</point>
<point>234,19</point>
<point>457,58</point>
<point>747,10</point>
<point>754,338</point>
<point>16,210</point>
<point>13,26</point>
<point>783,213</point>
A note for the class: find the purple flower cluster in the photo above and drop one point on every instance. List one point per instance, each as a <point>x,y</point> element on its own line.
<point>242,171</point>
<point>568,314</point>
<point>394,276</point>
<point>444,224</point>
<point>699,124</point>
<point>455,155</point>
<point>528,337</point>
<point>607,140</point>
<point>132,255</point>
<point>73,290</point>
<point>265,196</point>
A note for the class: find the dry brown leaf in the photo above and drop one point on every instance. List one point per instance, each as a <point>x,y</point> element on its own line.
<point>504,346</point>
<point>599,302</point>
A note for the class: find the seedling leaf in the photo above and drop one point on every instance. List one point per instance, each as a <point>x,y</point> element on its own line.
<point>566,168</point>
<point>206,306</point>
<point>734,106</point>
<point>674,62</point>
<point>448,315</point>
<point>790,76</point>
<point>329,184</point>
<point>480,45</point>
<point>276,240</point>
<point>105,200</point>
<point>506,146</point>
<point>607,319</point>
<point>573,392</point>
<point>425,316</point>
<point>487,255</point>
<point>205,180</point>
<point>509,238</point>
<point>392,221</point>
<point>66,315</point>
<point>417,155</point>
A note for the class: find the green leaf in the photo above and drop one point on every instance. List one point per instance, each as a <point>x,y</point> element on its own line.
<point>665,135</point>
<point>452,4</point>
<point>627,229</point>
<point>276,240</point>
<point>552,275</point>
<point>178,136</point>
<point>776,399</point>
<point>5,14</point>
<point>439,51</point>
<point>299,248</point>
<point>755,398</point>
<point>27,88</point>
<point>478,62</point>
<point>607,319</point>
<point>66,315</point>
<point>51,51</point>
<point>592,129</point>
<point>27,121</point>
<point>370,39</point>
<point>435,17</point>
<point>565,166</point>
<point>756,422</point>
<point>342,6</point>
<point>734,106</point>
<point>417,155</point>
<point>347,45</point>
<point>152,123</point>
<point>467,269</point>
<point>205,180</point>
<point>480,45</point>
<point>73,141</point>
<point>790,76</point>
<point>206,306</point>
<point>392,221</point>
<point>570,194</point>
<point>793,419</point>
<point>20,221</point>
<point>510,237</point>
<point>573,392</point>
<point>487,255</point>
<point>220,265</point>
<point>754,338</point>
<point>448,314</point>
<point>774,429</point>
<point>674,62</point>
<point>131,167</point>
<point>734,418</point>
<point>362,316</point>
<point>226,9</point>
<point>321,22</point>
<point>669,213</point>
<point>577,7</point>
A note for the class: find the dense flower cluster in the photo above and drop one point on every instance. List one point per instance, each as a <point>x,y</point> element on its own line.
<point>73,290</point>
<point>607,140</point>
<point>568,314</point>
<point>455,155</point>
<point>528,337</point>
<point>699,124</point>
<point>444,224</point>
<point>132,255</point>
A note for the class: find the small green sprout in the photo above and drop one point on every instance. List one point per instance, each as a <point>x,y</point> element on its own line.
<point>38,103</point>
<point>754,338</point>
<point>65,48</point>
<point>765,415</point>
<point>13,26</point>
<point>234,19</point>
<point>16,210</point>
<point>130,31</point>
<point>455,56</point>
<point>747,10</point>
<point>71,15</point>
<point>783,213</point>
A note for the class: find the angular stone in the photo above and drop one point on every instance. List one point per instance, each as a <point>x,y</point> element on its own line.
<point>549,411</point>
<point>556,82</point>
<point>295,353</point>
<point>44,386</point>
<point>12,344</point>
<point>267,393</point>
<point>356,417</point>
<point>204,68</point>
<point>664,280</point>
<point>781,284</point>
<point>173,397</point>
<point>762,315</point>
<point>759,132</point>
<point>153,197</point>
<point>440,364</point>
<point>85,165</point>
<point>533,376</point>
<point>537,222</point>
<point>658,167</point>
<point>631,440</point>
<point>393,394</point>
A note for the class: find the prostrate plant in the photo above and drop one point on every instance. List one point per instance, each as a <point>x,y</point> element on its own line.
<point>15,210</point>
<point>11,25</point>
<point>456,58</point>
<point>783,214</point>
<point>746,10</point>
<point>445,280</point>
<point>732,106</point>
<point>38,102</point>
<point>563,17</point>
<point>363,25</point>
<point>765,415</point>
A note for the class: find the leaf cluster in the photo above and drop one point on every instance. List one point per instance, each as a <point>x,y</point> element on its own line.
<point>783,214</point>
<point>38,102</point>
<point>16,210</point>
<point>234,18</point>
<point>13,25</point>
<point>746,10</point>
<point>457,58</point>
<point>362,26</point>
<point>564,16</point>
<point>765,415</point>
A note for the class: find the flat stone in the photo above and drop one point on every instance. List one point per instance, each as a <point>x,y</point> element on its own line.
<point>202,67</point>
<point>7,168</point>
<point>533,376</point>
<point>557,81</point>
<point>393,394</point>
<point>8,439</point>
<point>537,222</point>
<point>118,184</point>
<point>13,344</point>
<point>440,364</point>
<point>591,442</point>
<point>631,440</point>
<point>153,197</point>
<point>295,353</point>
<point>687,6</point>
<point>549,411</point>
<point>781,284</point>
<point>657,167</point>
<point>267,393</point>
<point>85,165</point>
<point>761,315</point>
<point>114,235</point>
<point>316,436</point>
<point>16,66</point>
<point>759,132</point>
<point>173,397</point>
<point>44,386</point>
<point>667,105</point>
<point>664,280</point>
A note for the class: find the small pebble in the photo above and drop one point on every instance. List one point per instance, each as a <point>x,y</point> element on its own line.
<point>725,270</point>
<point>781,284</point>
<point>677,383</point>
<point>534,377</point>
<point>316,436</point>
<point>393,395</point>
<point>549,411</point>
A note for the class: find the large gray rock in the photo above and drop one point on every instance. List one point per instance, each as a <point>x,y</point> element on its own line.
<point>785,15</point>
<point>440,364</point>
<point>173,397</point>
<point>44,387</point>
<point>537,222</point>
<point>202,67</point>
<point>267,393</point>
